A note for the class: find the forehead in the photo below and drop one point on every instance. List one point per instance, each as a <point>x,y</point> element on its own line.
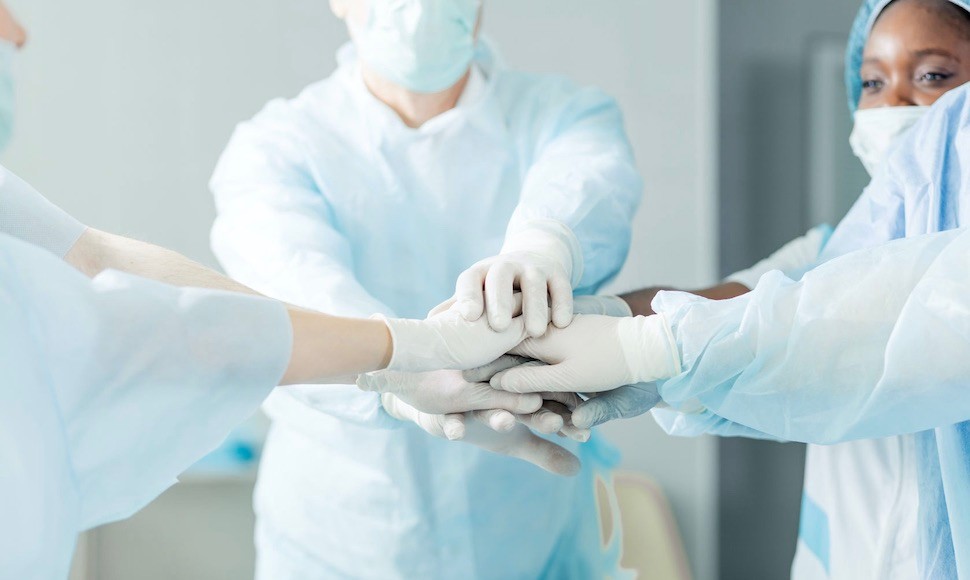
<point>918,22</point>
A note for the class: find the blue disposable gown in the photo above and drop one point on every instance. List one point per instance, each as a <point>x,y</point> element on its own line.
<point>109,389</point>
<point>872,343</point>
<point>330,202</point>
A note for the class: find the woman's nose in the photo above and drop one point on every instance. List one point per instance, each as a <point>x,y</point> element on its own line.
<point>898,95</point>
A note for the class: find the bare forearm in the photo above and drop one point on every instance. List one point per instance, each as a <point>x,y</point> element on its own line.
<point>326,349</point>
<point>329,349</point>
<point>640,300</point>
<point>96,251</point>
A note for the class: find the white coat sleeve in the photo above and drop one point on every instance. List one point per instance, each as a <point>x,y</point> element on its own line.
<point>583,175</point>
<point>148,378</point>
<point>29,216</point>
<point>868,345</point>
<point>274,230</point>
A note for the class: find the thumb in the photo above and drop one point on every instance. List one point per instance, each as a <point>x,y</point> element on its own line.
<point>545,454</point>
<point>484,373</point>
<point>515,403</point>
<point>443,307</point>
<point>595,411</point>
<point>535,379</point>
<point>451,427</point>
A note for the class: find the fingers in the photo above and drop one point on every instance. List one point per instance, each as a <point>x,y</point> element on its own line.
<point>451,427</point>
<point>516,403</point>
<point>378,381</point>
<point>469,297</point>
<point>535,305</point>
<point>484,373</point>
<point>560,404</point>
<point>543,421</point>
<point>498,420</point>
<point>443,307</point>
<point>543,453</point>
<point>498,295</point>
<point>561,301</point>
<point>576,433</point>
<point>529,378</point>
<point>594,412</point>
<point>622,403</point>
<point>568,400</point>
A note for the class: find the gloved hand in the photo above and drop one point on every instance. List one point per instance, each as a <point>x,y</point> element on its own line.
<point>448,341</point>
<point>555,416</point>
<point>443,392</point>
<point>543,261</point>
<point>622,403</point>
<point>516,442</point>
<point>595,353</point>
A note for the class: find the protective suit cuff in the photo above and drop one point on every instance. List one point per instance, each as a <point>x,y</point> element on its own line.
<point>550,238</point>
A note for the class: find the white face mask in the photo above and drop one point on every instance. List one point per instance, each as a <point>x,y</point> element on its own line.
<point>876,129</point>
<point>423,45</point>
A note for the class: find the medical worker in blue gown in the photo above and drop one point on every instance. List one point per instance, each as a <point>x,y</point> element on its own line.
<point>375,190</point>
<point>865,357</point>
<point>112,386</point>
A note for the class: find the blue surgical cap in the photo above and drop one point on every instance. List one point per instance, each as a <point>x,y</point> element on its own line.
<point>870,10</point>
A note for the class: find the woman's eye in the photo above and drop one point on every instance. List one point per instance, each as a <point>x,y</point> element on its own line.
<point>935,77</point>
<point>871,84</point>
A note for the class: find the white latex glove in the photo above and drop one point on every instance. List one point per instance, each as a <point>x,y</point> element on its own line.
<point>542,261</point>
<point>517,442</point>
<point>595,353</point>
<point>443,392</point>
<point>448,341</point>
<point>555,415</point>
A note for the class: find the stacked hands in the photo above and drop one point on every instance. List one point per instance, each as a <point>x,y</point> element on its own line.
<point>515,363</point>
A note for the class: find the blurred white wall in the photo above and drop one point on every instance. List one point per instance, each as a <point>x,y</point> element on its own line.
<point>126,104</point>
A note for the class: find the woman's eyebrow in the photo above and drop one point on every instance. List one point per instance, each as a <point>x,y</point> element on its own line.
<point>935,52</point>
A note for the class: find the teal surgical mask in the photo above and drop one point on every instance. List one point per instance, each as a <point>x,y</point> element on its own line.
<point>425,46</point>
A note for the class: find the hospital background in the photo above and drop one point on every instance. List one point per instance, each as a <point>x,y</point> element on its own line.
<point>736,112</point>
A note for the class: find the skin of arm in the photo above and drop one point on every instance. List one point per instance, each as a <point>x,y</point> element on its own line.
<point>640,300</point>
<point>353,346</point>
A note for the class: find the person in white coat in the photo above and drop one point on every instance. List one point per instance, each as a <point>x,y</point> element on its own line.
<point>422,157</point>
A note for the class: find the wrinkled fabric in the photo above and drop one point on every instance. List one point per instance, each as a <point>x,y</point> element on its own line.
<point>110,389</point>
<point>870,344</point>
<point>875,130</point>
<point>29,216</point>
<point>329,201</point>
